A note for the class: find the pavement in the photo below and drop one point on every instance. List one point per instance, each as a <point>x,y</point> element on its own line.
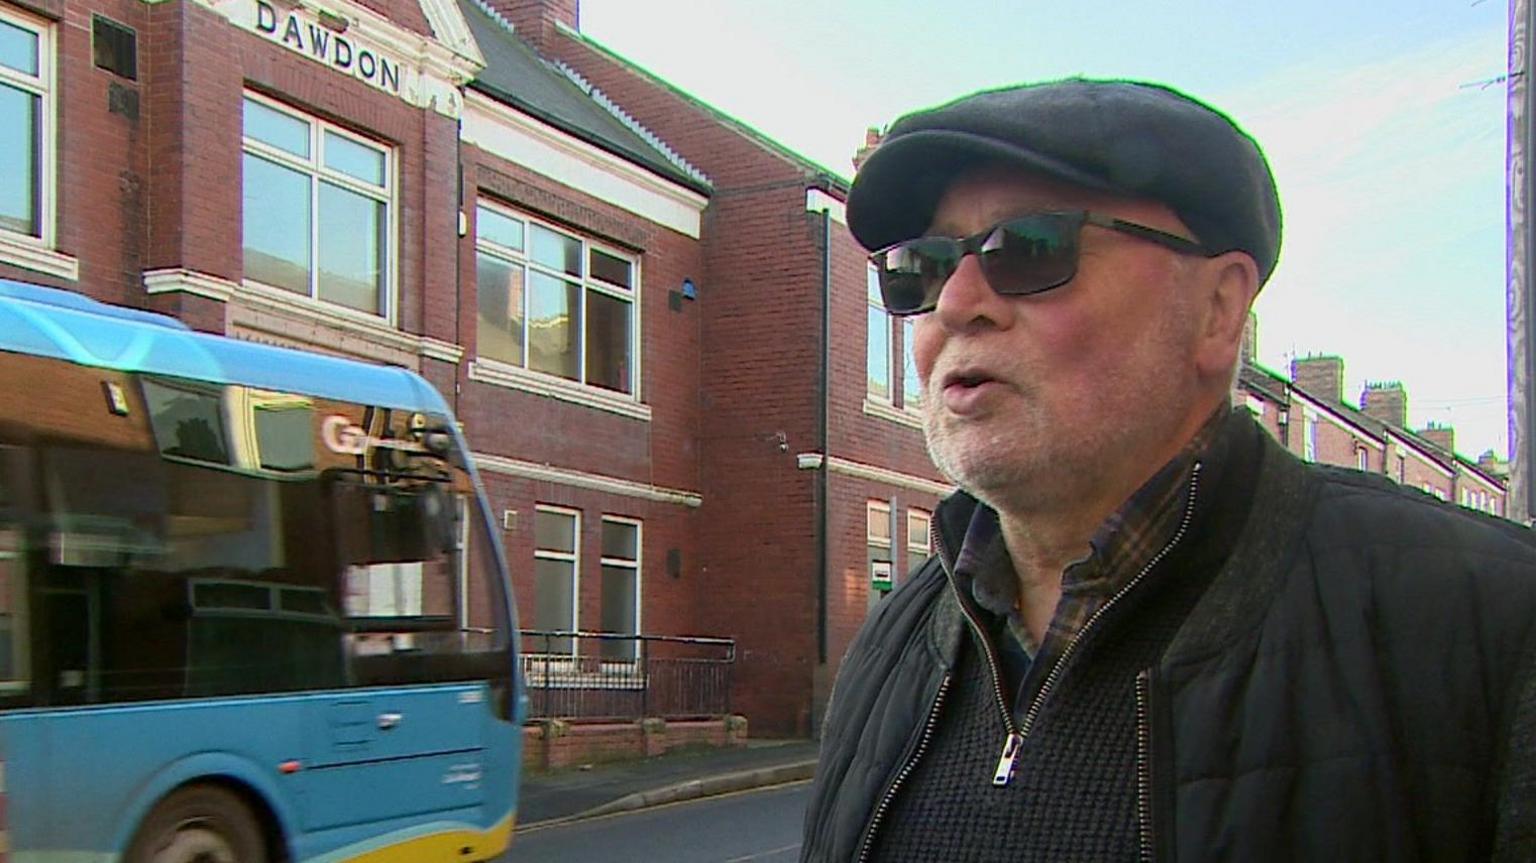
<point>551,797</point>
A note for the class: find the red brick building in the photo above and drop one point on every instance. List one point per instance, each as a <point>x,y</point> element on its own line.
<point>816,488</point>
<point>649,318</point>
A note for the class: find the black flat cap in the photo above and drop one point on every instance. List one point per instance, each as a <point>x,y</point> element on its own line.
<point>1124,137</point>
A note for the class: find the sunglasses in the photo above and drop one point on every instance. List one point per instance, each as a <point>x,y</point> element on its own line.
<point>1019,256</point>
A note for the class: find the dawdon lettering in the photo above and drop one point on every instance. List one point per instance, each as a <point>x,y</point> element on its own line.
<point>326,46</point>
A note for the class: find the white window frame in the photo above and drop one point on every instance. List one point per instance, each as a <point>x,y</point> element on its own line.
<point>870,508</point>
<point>923,545</point>
<point>873,540</point>
<point>315,169</point>
<point>876,308</point>
<point>515,374</point>
<point>1309,435</point>
<point>910,401</point>
<point>39,252</point>
<point>625,563</point>
<point>573,558</point>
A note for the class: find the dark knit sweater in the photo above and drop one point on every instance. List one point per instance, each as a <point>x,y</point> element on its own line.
<point>1074,794</point>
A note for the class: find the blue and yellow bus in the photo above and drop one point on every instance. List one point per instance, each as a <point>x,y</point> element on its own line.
<point>252,607</point>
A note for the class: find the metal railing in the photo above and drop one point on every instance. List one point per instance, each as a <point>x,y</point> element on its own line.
<point>607,676</point>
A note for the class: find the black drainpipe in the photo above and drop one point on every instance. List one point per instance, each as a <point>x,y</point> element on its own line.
<point>823,386</point>
<point>460,218</point>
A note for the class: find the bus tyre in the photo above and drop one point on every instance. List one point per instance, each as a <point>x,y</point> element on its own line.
<point>199,824</point>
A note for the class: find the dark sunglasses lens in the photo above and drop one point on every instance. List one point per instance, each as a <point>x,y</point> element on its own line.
<point>913,273</point>
<point>1032,254</point>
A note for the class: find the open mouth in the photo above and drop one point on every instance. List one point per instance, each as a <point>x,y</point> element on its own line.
<point>966,379</point>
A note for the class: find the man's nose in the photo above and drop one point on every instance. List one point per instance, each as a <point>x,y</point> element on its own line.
<point>967,299</point>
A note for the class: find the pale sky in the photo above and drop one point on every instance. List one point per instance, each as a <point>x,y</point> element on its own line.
<point>1386,141</point>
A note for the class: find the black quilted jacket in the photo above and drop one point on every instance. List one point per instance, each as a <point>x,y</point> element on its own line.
<point>1354,683</point>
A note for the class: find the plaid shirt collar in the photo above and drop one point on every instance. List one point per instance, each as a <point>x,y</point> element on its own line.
<point>1121,547</point>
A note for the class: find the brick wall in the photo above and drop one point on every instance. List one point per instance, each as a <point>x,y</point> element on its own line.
<point>1422,474</point>
<point>192,163</point>
<point>848,591</point>
<point>406,13</point>
<point>668,602</point>
<point>1265,409</point>
<point>102,127</point>
<point>553,745</point>
<point>761,343</point>
<point>1335,442</point>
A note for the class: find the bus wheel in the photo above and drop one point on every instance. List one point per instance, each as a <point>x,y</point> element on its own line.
<point>199,824</point>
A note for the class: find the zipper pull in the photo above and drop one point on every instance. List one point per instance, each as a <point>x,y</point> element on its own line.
<point>1005,764</point>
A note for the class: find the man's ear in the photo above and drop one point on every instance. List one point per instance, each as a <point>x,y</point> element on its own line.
<point>1228,284</point>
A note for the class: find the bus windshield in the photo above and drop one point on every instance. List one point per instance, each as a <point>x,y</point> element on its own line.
<point>166,538</point>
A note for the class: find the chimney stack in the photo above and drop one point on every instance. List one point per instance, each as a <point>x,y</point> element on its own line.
<point>1490,463</point>
<point>1386,401</point>
<point>872,138</point>
<point>1441,436</point>
<point>1321,377</point>
<point>534,20</point>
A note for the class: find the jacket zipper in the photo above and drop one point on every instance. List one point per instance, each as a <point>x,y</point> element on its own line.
<point>867,843</point>
<point>1066,653</point>
<point>1018,734</point>
<point>1144,764</point>
<point>1013,741</point>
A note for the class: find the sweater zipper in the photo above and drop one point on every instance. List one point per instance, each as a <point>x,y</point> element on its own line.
<point>1010,746</point>
<point>866,844</point>
<point>1144,764</point>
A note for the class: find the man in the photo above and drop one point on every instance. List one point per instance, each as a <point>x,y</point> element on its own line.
<point>1149,632</point>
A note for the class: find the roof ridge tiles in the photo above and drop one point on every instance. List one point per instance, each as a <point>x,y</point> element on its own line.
<point>607,104</point>
<point>838,183</point>
<point>494,15</point>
